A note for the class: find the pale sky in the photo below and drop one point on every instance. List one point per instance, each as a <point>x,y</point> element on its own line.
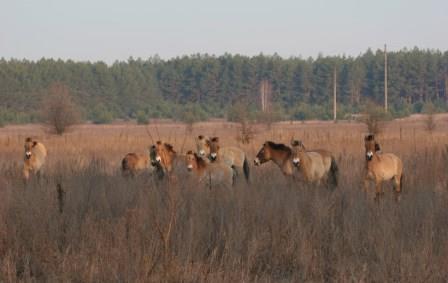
<point>110,30</point>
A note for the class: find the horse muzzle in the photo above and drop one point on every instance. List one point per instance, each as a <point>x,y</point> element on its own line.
<point>296,162</point>
<point>257,162</point>
<point>27,155</point>
<point>213,156</point>
<point>369,156</point>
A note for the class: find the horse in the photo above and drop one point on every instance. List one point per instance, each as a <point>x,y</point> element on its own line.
<point>202,145</point>
<point>233,156</point>
<point>381,167</point>
<point>135,163</point>
<point>280,154</point>
<point>315,165</point>
<point>213,174</point>
<point>34,159</point>
<point>163,155</point>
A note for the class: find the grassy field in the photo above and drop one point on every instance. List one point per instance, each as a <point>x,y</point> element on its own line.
<point>83,222</point>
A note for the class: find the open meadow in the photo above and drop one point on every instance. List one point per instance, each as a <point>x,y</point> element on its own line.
<point>83,222</point>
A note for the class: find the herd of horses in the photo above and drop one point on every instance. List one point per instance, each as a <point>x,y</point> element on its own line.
<point>212,165</point>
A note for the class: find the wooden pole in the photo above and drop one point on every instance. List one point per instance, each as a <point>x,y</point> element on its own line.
<point>334,96</point>
<point>385,78</point>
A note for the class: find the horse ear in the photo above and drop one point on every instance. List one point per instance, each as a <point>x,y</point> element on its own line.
<point>377,147</point>
<point>170,147</point>
<point>34,143</point>
<point>28,139</point>
<point>295,143</point>
<point>158,142</point>
<point>189,152</point>
<point>200,137</point>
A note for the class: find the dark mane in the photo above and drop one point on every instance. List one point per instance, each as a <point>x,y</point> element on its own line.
<point>279,146</point>
<point>169,147</point>
<point>370,137</point>
<point>200,161</point>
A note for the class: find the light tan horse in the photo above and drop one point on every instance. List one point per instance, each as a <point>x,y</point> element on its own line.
<point>280,154</point>
<point>210,174</point>
<point>232,156</point>
<point>381,167</point>
<point>35,156</point>
<point>315,165</point>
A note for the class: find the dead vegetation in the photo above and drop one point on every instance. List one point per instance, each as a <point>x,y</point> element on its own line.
<point>83,222</point>
<point>59,112</point>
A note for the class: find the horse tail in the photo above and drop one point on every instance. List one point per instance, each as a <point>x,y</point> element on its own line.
<point>234,175</point>
<point>246,169</point>
<point>401,181</point>
<point>124,164</point>
<point>333,173</point>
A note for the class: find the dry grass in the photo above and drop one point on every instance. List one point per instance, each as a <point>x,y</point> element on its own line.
<point>83,222</point>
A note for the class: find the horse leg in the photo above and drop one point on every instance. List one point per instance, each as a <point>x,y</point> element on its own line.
<point>378,189</point>
<point>397,187</point>
<point>366,184</point>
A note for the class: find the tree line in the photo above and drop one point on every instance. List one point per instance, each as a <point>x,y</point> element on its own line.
<point>202,86</point>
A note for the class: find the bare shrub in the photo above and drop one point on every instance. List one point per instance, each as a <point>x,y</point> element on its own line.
<point>59,111</point>
<point>374,118</point>
<point>239,114</point>
<point>430,121</point>
<point>246,132</point>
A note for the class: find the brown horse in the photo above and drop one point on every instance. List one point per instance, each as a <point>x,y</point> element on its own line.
<point>280,154</point>
<point>212,174</point>
<point>315,165</point>
<point>233,156</point>
<point>164,155</point>
<point>381,167</point>
<point>135,163</point>
<point>34,159</point>
<point>202,145</point>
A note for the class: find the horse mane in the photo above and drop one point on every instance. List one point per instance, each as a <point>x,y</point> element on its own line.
<point>377,147</point>
<point>279,146</point>
<point>169,147</point>
<point>370,137</point>
<point>295,143</point>
<point>200,161</point>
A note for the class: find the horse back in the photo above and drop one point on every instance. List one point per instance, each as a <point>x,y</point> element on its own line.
<point>234,156</point>
<point>325,155</point>
<point>391,162</point>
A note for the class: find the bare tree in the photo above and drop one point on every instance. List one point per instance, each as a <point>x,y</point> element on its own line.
<point>239,114</point>
<point>59,111</point>
<point>374,118</point>
<point>430,121</point>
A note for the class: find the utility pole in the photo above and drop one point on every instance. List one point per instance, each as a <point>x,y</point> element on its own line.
<point>385,78</point>
<point>334,96</point>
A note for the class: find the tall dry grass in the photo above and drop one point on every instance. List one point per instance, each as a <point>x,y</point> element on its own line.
<point>83,222</point>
